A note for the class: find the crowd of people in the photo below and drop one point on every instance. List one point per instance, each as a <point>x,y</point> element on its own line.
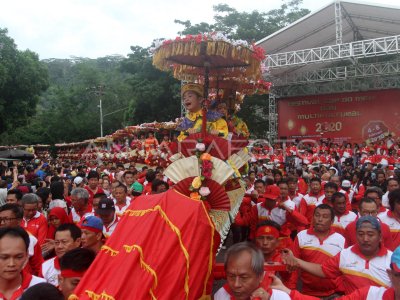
<point>319,219</point>
<point>331,218</point>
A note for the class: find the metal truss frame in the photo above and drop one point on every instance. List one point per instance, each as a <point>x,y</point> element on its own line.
<point>351,78</point>
<point>349,85</point>
<point>340,73</point>
<point>272,118</point>
<point>338,22</point>
<point>358,49</point>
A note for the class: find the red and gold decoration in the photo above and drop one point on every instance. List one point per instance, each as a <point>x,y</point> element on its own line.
<point>134,266</point>
<point>205,170</point>
<point>189,57</point>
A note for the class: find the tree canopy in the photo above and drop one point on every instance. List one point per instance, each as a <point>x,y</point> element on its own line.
<point>249,26</point>
<point>56,100</point>
<point>22,79</point>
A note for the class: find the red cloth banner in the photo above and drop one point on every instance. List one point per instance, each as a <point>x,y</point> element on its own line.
<point>355,117</point>
<point>163,248</point>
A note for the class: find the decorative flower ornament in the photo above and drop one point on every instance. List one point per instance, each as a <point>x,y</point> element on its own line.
<point>205,156</point>
<point>198,186</point>
<point>200,147</point>
<point>196,183</point>
<point>195,196</point>
<point>204,191</point>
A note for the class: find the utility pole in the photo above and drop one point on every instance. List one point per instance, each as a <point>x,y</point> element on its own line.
<point>101,117</point>
<point>99,91</point>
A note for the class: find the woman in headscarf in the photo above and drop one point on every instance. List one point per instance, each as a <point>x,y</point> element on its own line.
<point>56,217</point>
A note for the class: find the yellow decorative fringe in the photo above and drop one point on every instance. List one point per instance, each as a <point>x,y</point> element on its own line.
<point>109,250</point>
<point>211,256</point>
<point>103,296</point>
<point>242,56</point>
<point>144,266</point>
<point>157,208</point>
<point>233,166</point>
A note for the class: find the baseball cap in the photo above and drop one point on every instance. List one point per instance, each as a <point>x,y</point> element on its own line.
<point>78,180</point>
<point>23,188</point>
<point>106,205</point>
<point>346,183</point>
<point>368,219</point>
<point>137,187</point>
<point>272,192</point>
<point>395,260</point>
<point>334,169</point>
<point>92,223</point>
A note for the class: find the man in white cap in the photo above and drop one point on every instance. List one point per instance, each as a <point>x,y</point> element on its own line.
<point>78,182</point>
<point>336,179</point>
<point>346,186</point>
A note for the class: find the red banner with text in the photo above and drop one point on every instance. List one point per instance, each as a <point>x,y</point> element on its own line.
<point>354,117</point>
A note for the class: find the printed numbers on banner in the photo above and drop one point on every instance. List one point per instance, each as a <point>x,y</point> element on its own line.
<point>328,127</point>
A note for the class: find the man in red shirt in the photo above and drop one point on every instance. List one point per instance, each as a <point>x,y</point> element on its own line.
<point>364,293</point>
<point>312,199</point>
<point>383,293</point>
<point>316,245</point>
<point>392,184</point>
<point>93,185</point>
<point>336,179</point>
<point>267,239</point>
<point>14,243</point>
<point>244,268</point>
<point>376,194</point>
<point>392,217</point>
<point>33,221</point>
<point>150,176</point>
<point>80,206</point>
<point>363,264</point>
<point>67,237</point>
<point>302,185</point>
<point>368,207</point>
<point>276,209</point>
<point>11,215</point>
<point>74,265</point>
<point>294,194</point>
<point>257,195</point>
<point>343,216</point>
<point>329,189</point>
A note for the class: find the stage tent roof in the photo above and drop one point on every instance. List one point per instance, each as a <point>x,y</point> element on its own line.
<point>360,21</point>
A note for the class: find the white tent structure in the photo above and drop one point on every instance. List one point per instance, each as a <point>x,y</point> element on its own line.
<point>343,47</point>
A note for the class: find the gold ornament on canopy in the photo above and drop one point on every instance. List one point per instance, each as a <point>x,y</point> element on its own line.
<point>209,54</point>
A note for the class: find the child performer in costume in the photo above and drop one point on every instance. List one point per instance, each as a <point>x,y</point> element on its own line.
<point>192,96</point>
<point>235,124</point>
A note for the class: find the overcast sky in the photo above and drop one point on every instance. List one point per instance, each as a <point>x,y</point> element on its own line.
<point>95,28</point>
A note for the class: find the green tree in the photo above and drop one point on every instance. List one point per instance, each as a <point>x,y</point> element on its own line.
<point>249,26</point>
<point>155,94</point>
<point>22,79</point>
<point>68,111</point>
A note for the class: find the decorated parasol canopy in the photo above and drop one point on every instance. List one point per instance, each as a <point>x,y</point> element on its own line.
<point>209,55</point>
